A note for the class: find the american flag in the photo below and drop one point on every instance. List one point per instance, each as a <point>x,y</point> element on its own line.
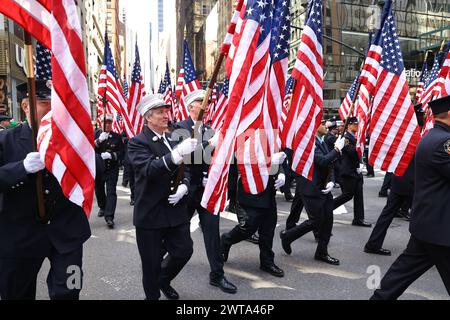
<point>276,89</point>
<point>249,45</point>
<point>362,109</point>
<point>135,95</point>
<point>66,136</point>
<point>180,83</point>
<point>232,27</point>
<point>212,104</point>
<point>420,85</point>
<point>438,87</point>
<point>394,129</point>
<point>430,84</point>
<point>286,102</point>
<point>190,82</point>
<point>110,89</point>
<point>43,63</point>
<point>344,109</point>
<point>168,95</point>
<point>221,106</point>
<point>305,113</point>
<point>252,146</point>
<point>161,87</point>
<point>125,88</point>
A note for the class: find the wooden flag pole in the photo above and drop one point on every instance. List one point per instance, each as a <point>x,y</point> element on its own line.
<point>198,121</point>
<point>31,83</point>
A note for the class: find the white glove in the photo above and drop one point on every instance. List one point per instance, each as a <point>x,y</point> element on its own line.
<point>280,181</point>
<point>106,155</point>
<point>181,192</point>
<point>340,143</point>
<point>204,181</point>
<point>184,148</point>
<point>360,169</point>
<point>103,136</point>
<point>278,158</point>
<point>328,188</point>
<point>33,162</point>
<point>215,139</point>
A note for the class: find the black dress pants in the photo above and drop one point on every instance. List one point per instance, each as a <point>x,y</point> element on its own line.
<point>157,272</point>
<point>393,204</point>
<point>417,259</point>
<point>107,201</point>
<point>64,281</point>
<point>352,188</point>
<point>320,213</point>
<point>262,219</point>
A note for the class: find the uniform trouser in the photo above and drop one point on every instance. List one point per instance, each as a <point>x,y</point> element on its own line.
<point>296,209</point>
<point>129,169</point>
<point>386,183</point>
<point>262,219</point>
<point>211,236</point>
<point>64,280</point>
<point>290,175</point>
<point>107,201</point>
<point>157,272</point>
<point>320,212</point>
<point>417,258</point>
<point>352,188</point>
<point>394,202</point>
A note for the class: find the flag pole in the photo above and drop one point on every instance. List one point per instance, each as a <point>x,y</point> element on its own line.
<point>31,84</point>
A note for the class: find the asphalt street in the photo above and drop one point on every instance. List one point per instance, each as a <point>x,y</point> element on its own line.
<point>112,267</point>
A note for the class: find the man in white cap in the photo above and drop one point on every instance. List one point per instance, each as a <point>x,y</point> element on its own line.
<point>160,212</point>
<point>199,170</point>
<point>109,150</point>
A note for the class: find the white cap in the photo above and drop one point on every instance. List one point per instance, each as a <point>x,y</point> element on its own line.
<point>109,117</point>
<point>339,123</point>
<point>152,101</point>
<point>197,95</point>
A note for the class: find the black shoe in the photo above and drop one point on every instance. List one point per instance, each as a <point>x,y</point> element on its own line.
<point>253,239</point>
<point>288,196</point>
<point>223,284</point>
<point>110,223</point>
<point>286,245</point>
<point>327,259</point>
<point>169,292</point>
<point>273,270</point>
<point>361,223</point>
<point>132,203</point>
<point>382,194</point>
<point>101,213</point>
<point>225,250</point>
<point>380,251</point>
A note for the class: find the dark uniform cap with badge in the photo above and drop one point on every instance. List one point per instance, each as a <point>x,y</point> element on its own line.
<point>440,105</point>
<point>353,120</point>
<point>5,118</point>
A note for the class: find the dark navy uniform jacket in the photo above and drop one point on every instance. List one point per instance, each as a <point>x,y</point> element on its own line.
<point>350,158</point>
<point>323,159</point>
<point>430,214</point>
<point>114,145</point>
<point>21,234</point>
<point>198,165</point>
<point>155,174</point>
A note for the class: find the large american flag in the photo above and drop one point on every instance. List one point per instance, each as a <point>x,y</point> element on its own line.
<point>344,109</point>
<point>251,32</point>
<point>109,88</point>
<point>394,129</point>
<point>67,137</point>
<point>43,63</point>
<point>212,105</point>
<point>305,113</point>
<point>135,95</point>
<point>221,107</point>
<point>190,82</point>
